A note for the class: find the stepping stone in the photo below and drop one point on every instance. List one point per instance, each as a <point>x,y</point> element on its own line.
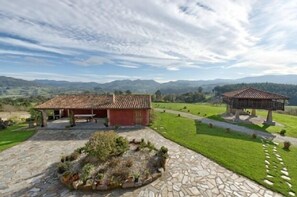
<point>277,155</point>
<point>289,184</point>
<point>286,178</point>
<point>282,163</point>
<point>267,170</point>
<point>269,176</point>
<point>267,162</point>
<point>285,169</point>
<point>285,172</point>
<point>264,145</point>
<point>268,182</point>
<point>266,166</point>
<point>275,143</point>
<point>291,193</point>
<point>280,159</point>
<point>267,157</point>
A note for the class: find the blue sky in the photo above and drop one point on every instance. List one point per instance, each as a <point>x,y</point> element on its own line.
<point>162,40</point>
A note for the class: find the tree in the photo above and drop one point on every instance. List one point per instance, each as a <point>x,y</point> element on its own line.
<point>128,92</point>
<point>200,89</point>
<point>158,95</point>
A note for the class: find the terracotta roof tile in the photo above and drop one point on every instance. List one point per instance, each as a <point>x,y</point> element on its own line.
<point>253,93</point>
<point>97,102</point>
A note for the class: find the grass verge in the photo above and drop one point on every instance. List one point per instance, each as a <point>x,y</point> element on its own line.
<point>14,135</point>
<point>237,152</point>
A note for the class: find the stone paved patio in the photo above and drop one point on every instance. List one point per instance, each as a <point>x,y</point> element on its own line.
<point>28,169</point>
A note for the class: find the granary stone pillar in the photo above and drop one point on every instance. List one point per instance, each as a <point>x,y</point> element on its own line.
<point>43,118</point>
<point>237,113</point>
<point>254,114</point>
<point>269,120</point>
<point>228,109</point>
<point>71,118</point>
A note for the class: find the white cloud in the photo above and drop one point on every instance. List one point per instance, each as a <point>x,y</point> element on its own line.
<point>173,34</point>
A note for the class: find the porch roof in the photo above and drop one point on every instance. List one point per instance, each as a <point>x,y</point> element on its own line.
<point>97,102</point>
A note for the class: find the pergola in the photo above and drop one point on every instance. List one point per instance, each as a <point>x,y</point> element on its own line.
<point>251,98</point>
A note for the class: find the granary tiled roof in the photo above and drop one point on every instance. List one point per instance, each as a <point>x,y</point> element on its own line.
<point>97,102</point>
<point>253,93</point>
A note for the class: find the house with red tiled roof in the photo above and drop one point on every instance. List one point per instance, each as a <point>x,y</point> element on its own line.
<point>252,98</point>
<point>119,110</point>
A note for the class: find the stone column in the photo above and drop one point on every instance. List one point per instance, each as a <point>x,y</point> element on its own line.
<point>269,120</point>
<point>237,113</point>
<point>228,109</point>
<point>254,114</point>
<point>71,118</point>
<point>269,116</point>
<point>43,118</point>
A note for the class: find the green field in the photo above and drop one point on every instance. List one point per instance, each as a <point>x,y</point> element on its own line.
<point>237,152</point>
<point>14,135</point>
<point>289,122</point>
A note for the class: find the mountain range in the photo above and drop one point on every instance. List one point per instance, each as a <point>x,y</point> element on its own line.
<point>13,86</point>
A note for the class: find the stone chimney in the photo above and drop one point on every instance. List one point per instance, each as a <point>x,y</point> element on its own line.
<point>113,98</point>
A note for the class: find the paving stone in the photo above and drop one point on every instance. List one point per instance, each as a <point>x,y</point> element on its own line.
<point>291,193</point>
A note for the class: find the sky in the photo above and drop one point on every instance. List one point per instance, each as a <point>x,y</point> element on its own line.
<point>163,40</point>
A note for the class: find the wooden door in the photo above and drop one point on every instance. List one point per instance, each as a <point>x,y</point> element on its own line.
<point>138,117</point>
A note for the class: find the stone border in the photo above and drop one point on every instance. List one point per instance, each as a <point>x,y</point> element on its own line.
<point>89,186</point>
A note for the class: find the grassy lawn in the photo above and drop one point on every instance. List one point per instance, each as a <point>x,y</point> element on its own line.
<point>237,152</point>
<point>14,135</point>
<point>214,111</point>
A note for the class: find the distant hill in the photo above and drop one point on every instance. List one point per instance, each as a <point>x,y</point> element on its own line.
<point>17,87</point>
<point>13,82</point>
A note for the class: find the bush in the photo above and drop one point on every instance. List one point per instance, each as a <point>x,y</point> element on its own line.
<point>185,107</point>
<point>121,145</point>
<point>74,156</point>
<point>178,115</point>
<point>210,125</point>
<point>282,132</point>
<point>228,130</point>
<point>86,171</point>
<point>63,167</point>
<point>101,145</point>
<point>254,136</point>
<point>287,145</point>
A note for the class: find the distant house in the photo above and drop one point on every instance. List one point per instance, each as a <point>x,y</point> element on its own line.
<point>121,110</point>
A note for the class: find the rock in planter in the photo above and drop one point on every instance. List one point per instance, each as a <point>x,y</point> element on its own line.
<point>77,183</point>
<point>128,185</point>
<point>102,187</point>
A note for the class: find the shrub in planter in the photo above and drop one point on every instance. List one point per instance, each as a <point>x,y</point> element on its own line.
<point>86,171</point>
<point>287,145</point>
<point>282,132</point>
<point>101,145</point>
<point>121,145</point>
<point>63,167</point>
<point>74,156</point>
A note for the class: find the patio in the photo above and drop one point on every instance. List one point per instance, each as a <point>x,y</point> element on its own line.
<point>63,123</point>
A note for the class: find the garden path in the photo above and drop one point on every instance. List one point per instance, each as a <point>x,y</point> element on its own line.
<point>29,169</point>
<point>274,137</point>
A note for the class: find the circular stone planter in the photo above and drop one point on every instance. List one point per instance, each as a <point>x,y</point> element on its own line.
<point>140,165</point>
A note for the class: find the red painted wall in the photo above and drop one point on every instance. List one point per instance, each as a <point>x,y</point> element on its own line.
<point>127,117</point>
